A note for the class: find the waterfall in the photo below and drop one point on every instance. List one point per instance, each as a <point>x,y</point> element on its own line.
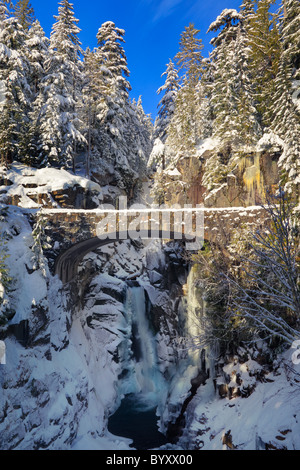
<point>145,356</point>
<point>145,379</point>
<point>142,384</point>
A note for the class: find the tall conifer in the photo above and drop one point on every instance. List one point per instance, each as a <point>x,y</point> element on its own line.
<point>59,123</point>
<point>24,12</point>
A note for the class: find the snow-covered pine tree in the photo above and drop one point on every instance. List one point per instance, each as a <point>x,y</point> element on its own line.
<point>189,57</point>
<point>290,35</point>
<point>114,71</point>
<point>232,97</point>
<point>24,12</point>
<point>247,124</point>
<point>146,129</point>
<point>37,53</point>
<point>138,138</point>
<point>88,110</point>
<point>59,125</point>
<point>16,92</point>
<point>5,9</point>
<point>37,45</point>
<point>264,50</point>
<point>286,124</point>
<point>117,130</point>
<point>167,103</point>
<point>224,93</point>
<point>184,130</point>
<point>109,80</point>
<point>247,10</point>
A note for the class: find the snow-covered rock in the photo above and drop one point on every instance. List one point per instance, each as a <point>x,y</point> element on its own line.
<point>47,187</point>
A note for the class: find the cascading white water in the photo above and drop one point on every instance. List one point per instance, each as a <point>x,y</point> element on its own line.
<point>145,378</point>
<point>146,363</point>
<point>143,384</point>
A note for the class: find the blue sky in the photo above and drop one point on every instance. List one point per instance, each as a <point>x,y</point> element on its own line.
<point>152,27</point>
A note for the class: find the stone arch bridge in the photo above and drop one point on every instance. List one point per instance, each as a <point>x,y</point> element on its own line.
<point>72,234</point>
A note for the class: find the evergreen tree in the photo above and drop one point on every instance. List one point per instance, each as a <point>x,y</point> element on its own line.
<point>286,124</point>
<point>145,128</point>
<point>264,46</point>
<point>5,7</point>
<point>138,136</point>
<point>189,57</point>
<point>184,131</point>
<point>38,55</point>
<point>290,36</point>
<point>247,11</point>
<point>37,52</point>
<point>24,12</point>
<point>167,103</point>
<point>231,87</point>
<point>59,125</point>
<point>224,87</point>
<point>112,59</point>
<point>14,73</point>
<point>235,116</point>
<point>109,80</point>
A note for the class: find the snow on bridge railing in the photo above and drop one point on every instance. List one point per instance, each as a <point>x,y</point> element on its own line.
<point>153,222</point>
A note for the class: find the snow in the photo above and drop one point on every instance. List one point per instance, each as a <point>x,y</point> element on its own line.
<point>173,172</point>
<point>157,153</point>
<point>270,140</point>
<point>231,13</point>
<point>207,144</point>
<point>77,386</point>
<point>31,289</point>
<point>270,415</point>
<point>42,181</point>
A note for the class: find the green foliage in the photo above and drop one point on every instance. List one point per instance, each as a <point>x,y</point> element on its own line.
<point>24,12</point>
<point>290,27</point>
<point>189,58</point>
<point>252,283</point>
<point>264,44</point>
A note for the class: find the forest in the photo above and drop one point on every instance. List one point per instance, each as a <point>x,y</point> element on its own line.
<point>59,101</point>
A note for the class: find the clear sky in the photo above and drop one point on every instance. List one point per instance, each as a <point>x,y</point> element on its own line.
<point>152,27</point>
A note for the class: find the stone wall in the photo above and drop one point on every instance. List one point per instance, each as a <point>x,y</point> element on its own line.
<point>63,229</point>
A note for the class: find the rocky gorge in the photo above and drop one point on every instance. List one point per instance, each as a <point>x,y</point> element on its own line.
<point>127,329</point>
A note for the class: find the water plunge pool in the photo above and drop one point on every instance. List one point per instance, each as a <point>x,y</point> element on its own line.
<point>137,420</point>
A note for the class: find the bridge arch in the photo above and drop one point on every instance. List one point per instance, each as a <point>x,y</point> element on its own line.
<point>68,261</point>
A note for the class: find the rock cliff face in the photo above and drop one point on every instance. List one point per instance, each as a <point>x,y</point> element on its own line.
<point>255,173</point>
<point>67,358</point>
